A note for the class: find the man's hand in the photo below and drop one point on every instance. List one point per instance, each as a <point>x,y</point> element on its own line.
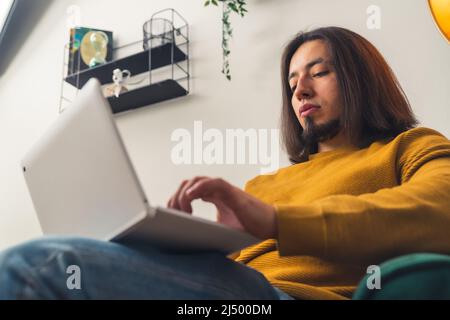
<point>236,208</point>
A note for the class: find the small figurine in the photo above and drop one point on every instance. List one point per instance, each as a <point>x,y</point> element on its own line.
<point>120,79</point>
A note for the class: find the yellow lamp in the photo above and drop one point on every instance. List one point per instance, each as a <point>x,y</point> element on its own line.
<point>441,14</point>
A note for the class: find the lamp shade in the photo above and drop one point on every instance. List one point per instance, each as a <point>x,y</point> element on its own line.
<point>440,10</point>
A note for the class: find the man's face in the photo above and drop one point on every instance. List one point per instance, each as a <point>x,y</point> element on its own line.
<point>313,81</point>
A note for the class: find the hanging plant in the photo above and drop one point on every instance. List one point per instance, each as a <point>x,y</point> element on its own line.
<point>229,6</point>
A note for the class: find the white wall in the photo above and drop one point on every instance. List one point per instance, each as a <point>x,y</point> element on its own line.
<point>29,89</point>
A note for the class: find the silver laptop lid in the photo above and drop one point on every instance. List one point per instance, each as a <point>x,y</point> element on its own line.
<point>79,175</point>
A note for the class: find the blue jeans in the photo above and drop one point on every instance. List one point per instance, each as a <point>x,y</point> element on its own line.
<point>73,268</point>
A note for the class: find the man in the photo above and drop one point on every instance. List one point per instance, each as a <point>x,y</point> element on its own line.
<point>365,186</point>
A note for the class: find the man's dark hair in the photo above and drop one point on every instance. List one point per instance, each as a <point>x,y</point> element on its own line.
<point>375,106</point>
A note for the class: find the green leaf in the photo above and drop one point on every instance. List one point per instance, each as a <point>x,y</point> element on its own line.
<point>232,6</point>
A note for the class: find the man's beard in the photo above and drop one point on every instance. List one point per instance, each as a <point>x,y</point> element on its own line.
<point>313,134</point>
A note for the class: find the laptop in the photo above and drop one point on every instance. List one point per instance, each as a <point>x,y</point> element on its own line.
<point>7,8</point>
<point>82,183</point>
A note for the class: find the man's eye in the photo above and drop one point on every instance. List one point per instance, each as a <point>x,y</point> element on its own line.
<point>321,74</point>
<point>293,88</point>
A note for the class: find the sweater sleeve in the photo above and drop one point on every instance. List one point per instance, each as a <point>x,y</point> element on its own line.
<point>373,227</point>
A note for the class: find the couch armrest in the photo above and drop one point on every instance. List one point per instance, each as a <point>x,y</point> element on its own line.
<point>416,276</point>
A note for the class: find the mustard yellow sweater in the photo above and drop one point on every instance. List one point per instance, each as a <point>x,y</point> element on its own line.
<point>347,209</point>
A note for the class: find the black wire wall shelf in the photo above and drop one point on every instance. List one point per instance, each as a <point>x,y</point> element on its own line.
<point>168,53</point>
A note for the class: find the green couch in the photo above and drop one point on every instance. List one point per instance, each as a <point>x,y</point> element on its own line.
<point>416,276</point>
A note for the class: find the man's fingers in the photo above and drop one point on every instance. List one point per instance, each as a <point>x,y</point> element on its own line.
<point>173,201</point>
<point>199,188</point>
<point>207,187</point>
<point>183,200</point>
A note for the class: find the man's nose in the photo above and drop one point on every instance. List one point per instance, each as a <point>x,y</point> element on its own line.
<point>303,89</point>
